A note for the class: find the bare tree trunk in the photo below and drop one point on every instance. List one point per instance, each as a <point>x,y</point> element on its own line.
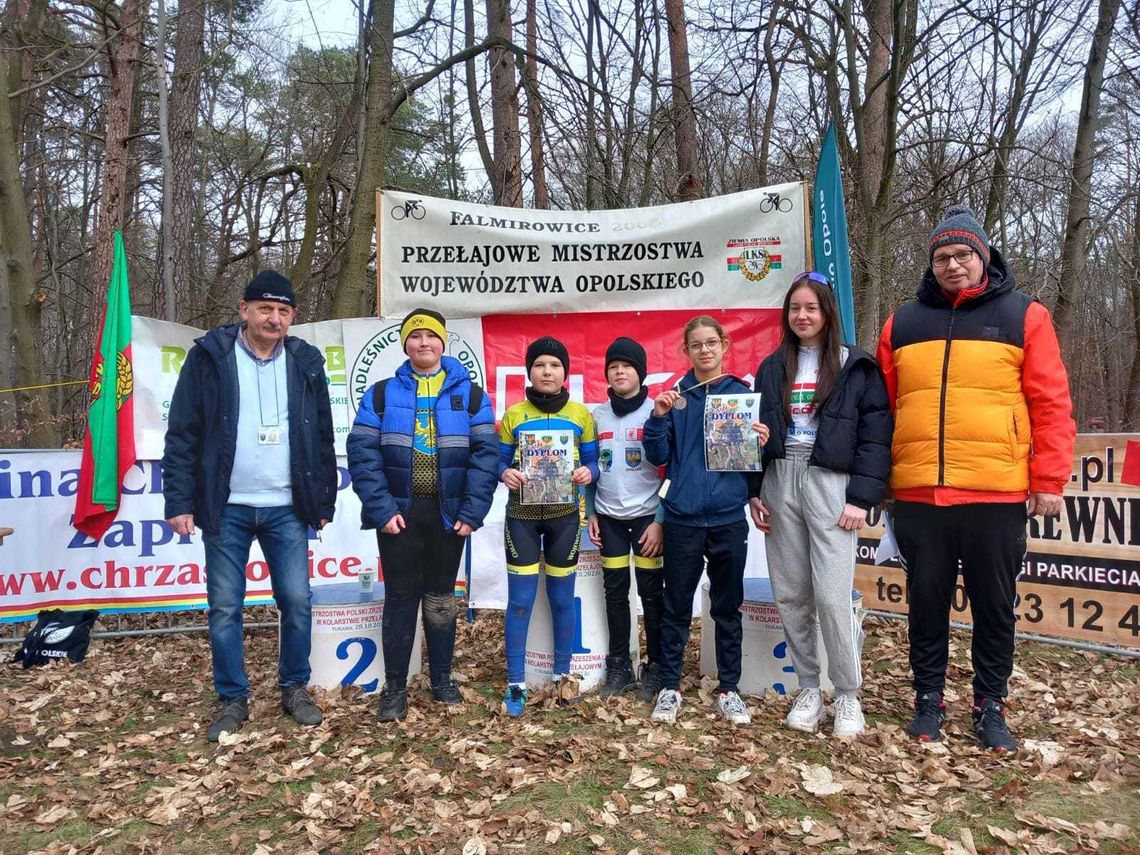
<point>353,282</point>
<point>589,148</point>
<point>1077,218</point>
<point>684,117</point>
<point>774,75</point>
<point>316,177</point>
<point>871,130</point>
<point>186,81</point>
<point>534,109</point>
<point>113,200</point>
<point>651,134</point>
<point>1132,400</point>
<point>477,129</point>
<point>504,109</point>
<point>19,301</point>
<point>167,239</point>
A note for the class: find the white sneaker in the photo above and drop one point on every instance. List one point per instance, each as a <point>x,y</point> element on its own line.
<point>807,712</point>
<point>668,703</point>
<point>849,721</point>
<point>732,708</point>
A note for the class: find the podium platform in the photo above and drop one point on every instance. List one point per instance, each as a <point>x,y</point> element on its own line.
<point>346,647</point>
<point>765,663</point>
<point>591,635</point>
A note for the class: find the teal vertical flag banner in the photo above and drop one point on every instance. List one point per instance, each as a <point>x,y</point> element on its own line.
<point>830,251</point>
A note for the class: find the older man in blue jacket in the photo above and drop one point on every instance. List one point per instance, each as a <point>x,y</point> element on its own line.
<point>249,453</point>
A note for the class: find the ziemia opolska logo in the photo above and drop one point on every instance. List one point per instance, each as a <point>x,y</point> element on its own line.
<point>381,355</point>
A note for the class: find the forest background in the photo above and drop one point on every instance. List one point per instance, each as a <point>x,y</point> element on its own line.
<point>221,144</point>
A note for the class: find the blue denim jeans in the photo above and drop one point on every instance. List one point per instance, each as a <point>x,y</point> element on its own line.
<point>284,540</point>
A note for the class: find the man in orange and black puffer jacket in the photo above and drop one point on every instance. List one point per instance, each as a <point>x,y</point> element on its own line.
<point>983,433</point>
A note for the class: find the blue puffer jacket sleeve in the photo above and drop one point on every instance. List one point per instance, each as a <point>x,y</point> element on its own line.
<point>366,466</point>
<point>483,466</point>
<point>657,438</point>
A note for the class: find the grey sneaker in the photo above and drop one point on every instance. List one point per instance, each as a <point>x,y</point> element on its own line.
<point>668,704</point>
<point>295,701</point>
<point>235,713</point>
<point>732,708</point>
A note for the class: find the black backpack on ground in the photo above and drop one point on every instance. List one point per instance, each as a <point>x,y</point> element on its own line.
<point>57,635</point>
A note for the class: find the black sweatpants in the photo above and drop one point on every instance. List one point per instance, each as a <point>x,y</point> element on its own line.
<point>618,538</point>
<point>687,549</point>
<point>420,565</point>
<point>989,541</point>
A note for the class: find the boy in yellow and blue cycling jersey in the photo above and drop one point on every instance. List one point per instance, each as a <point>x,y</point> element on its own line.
<point>552,527</point>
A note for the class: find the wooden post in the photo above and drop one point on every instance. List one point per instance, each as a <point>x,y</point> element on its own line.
<point>379,245</point>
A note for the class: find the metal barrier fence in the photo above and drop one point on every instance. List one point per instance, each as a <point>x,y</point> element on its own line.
<point>173,625</point>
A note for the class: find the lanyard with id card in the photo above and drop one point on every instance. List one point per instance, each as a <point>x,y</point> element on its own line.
<point>269,436</point>
<point>269,433</point>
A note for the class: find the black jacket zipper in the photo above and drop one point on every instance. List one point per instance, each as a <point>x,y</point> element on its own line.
<point>942,402</point>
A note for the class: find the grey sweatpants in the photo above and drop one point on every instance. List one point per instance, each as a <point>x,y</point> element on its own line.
<point>811,563</point>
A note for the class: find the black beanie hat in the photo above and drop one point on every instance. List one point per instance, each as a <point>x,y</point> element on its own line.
<point>960,225</point>
<point>548,346</point>
<point>270,285</point>
<point>627,350</point>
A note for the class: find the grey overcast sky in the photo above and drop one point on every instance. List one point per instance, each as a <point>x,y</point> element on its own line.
<point>317,22</point>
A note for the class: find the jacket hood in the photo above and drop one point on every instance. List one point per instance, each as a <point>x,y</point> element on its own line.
<point>1000,280</point>
<point>855,355</point>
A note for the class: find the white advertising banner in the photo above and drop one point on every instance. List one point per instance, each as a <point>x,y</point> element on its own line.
<point>741,250</point>
<point>140,564</point>
<point>157,351</point>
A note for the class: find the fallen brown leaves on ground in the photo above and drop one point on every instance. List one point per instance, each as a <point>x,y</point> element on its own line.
<point>110,756</point>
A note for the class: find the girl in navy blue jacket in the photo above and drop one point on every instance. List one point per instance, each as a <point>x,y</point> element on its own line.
<point>704,521</point>
<point>423,456</point>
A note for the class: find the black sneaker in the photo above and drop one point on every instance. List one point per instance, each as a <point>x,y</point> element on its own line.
<point>929,713</point>
<point>619,677</point>
<point>650,683</point>
<point>446,693</point>
<point>990,727</point>
<point>235,713</point>
<point>393,703</point>
<point>295,701</point>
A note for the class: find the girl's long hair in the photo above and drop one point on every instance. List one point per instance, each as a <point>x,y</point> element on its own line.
<point>829,348</point>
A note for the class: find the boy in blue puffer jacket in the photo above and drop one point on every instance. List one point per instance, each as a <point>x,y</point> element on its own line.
<point>423,455</point>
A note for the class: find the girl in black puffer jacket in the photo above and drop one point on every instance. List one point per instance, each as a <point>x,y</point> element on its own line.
<point>825,466</point>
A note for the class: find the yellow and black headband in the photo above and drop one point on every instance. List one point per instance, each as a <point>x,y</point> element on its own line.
<point>423,319</point>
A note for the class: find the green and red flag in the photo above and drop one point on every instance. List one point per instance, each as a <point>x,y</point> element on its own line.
<point>109,446</point>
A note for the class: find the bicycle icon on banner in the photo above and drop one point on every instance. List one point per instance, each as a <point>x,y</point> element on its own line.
<point>775,202</point>
<point>412,208</point>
